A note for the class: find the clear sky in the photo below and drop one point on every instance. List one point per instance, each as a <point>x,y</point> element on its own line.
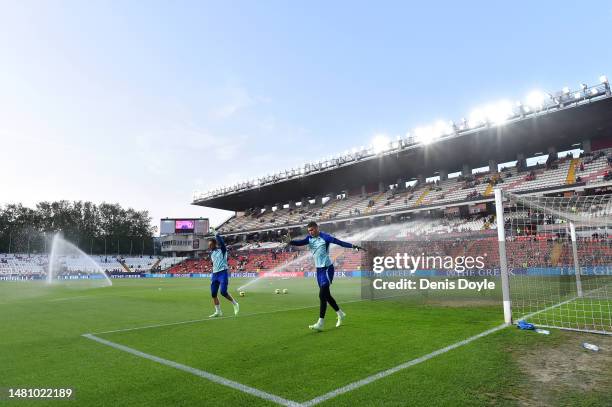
<point>143,102</point>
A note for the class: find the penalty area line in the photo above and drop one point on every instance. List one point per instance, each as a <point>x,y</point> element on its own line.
<point>197,372</point>
<point>193,321</point>
<point>388,372</point>
<point>254,314</point>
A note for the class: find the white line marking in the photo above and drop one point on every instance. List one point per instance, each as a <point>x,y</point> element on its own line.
<point>591,331</point>
<point>547,309</point>
<point>594,331</point>
<point>215,319</point>
<point>558,305</point>
<point>271,397</point>
<point>230,316</point>
<point>197,372</point>
<point>385,373</point>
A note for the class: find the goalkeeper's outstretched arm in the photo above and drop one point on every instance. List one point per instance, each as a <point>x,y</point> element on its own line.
<point>298,242</point>
<point>334,240</point>
<point>219,238</point>
<point>221,243</point>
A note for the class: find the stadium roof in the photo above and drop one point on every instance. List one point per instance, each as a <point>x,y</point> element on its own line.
<point>562,122</point>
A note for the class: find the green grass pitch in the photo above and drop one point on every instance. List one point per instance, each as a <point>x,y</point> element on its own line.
<point>268,346</point>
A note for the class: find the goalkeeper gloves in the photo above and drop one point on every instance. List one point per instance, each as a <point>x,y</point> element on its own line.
<point>212,231</point>
<point>286,239</point>
<point>358,248</point>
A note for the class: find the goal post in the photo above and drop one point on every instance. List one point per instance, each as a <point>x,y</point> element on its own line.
<point>503,264</point>
<point>555,256</point>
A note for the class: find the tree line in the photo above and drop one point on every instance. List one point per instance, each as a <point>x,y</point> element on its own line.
<point>96,229</point>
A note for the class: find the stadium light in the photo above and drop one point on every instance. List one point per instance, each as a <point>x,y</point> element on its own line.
<point>499,112</point>
<point>536,99</point>
<point>477,118</point>
<point>380,143</point>
<point>523,109</point>
<point>603,79</point>
<point>566,90</point>
<point>423,135</point>
<point>442,128</point>
<point>427,134</point>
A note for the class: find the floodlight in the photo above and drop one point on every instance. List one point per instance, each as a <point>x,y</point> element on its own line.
<point>380,143</point>
<point>535,99</point>
<point>499,112</point>
<point>603,79</point>
<point>577,95</point>
<point>477,118</point>
<point>442,128</point>
<point>427,134</point>
<point>423,135</point>
<point>566,90</point>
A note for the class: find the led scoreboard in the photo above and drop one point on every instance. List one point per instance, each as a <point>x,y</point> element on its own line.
<point>198,226</point>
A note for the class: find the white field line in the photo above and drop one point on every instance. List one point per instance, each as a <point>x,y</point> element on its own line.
<point>591,331</point>
<point>594,331</point>
<point>192,321</point>
<point>385,373</point>
<point>282,401</point>
<point>547,308</point>
<point>559,304</point>
<point>104,296</point>
<point>120,294</point>
<point>197,372</point>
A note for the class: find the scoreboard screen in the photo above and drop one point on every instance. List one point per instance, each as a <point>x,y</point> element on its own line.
<point>184,226</point>
<point>170,226</point>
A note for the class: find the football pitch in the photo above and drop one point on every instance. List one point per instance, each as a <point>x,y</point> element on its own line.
<point>149,342</point>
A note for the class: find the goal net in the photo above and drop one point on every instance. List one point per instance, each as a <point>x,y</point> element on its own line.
<point>557,254</point>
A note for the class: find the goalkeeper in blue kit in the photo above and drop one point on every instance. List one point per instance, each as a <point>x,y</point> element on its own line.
<point>318,243</point>
<point>220,273</point>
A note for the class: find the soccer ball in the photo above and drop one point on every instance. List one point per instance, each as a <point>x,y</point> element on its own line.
<point>241,293</point>
<point>277,291</point>
<point>285,291</point>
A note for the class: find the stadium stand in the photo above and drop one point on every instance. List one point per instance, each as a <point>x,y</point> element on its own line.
<point>37,264</point>
<point>589,169</point>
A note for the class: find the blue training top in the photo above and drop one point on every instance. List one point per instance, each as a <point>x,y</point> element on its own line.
<point>219,255</point>
<point>319,246</point>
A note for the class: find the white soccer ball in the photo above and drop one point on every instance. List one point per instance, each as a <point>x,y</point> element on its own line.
<point>285,291</point>
<point>241,293</point>
<point>277,291</point>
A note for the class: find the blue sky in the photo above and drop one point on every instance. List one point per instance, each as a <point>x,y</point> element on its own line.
<point>142,103</point>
